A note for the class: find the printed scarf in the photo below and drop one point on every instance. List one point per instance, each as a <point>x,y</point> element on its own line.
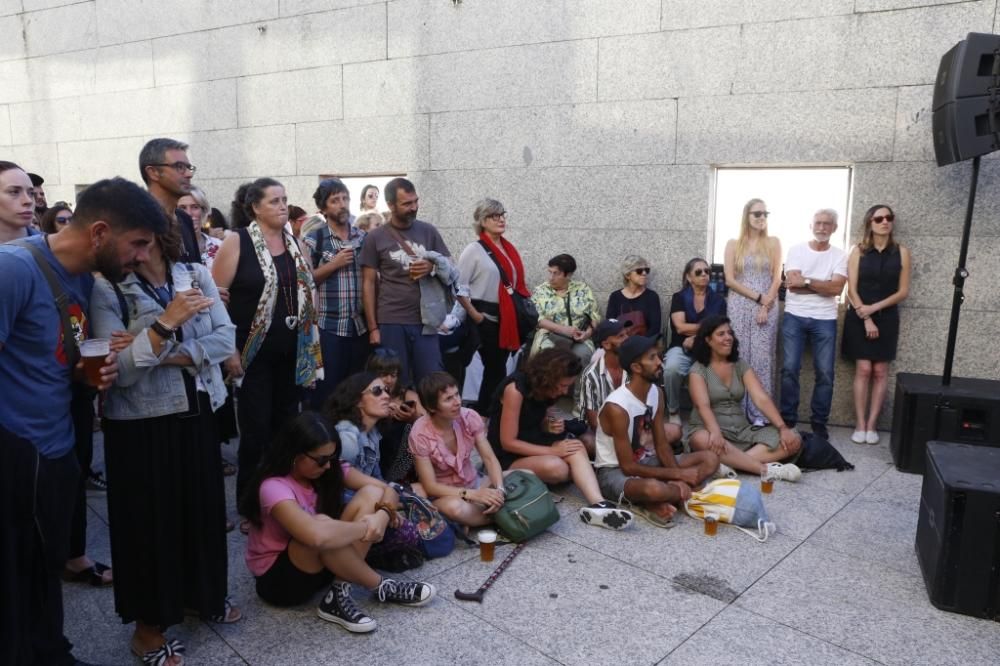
<point>309,360</point>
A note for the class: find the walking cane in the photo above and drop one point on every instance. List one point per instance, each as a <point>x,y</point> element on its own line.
<point>478,594</point>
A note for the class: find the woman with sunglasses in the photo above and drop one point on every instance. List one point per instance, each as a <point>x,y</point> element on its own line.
<point>404,409</point>
<point>688,307</point>
<point>878,279</point>
<point>635,302</point>
<point>355,408</point>
<point>305,536</point>
<point>55,218</point>
<point>753,276</point>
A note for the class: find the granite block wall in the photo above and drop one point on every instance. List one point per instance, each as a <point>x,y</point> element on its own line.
<point>596,122</point>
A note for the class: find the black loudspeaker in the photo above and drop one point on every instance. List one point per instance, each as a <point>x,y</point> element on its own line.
<point>966,411</point>
<point>966,119</point>
<point>958,531</point>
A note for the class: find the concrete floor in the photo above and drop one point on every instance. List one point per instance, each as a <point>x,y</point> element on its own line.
<point>838,584</point>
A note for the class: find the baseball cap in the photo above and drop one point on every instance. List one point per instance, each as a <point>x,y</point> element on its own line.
<point>633,348</point>
<point>608,328</point>
<point>36,180</point>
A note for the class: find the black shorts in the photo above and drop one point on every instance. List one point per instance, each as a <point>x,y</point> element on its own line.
<point>284,584</point>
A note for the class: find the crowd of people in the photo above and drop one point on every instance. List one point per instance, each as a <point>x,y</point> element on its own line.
<point>324,339</point>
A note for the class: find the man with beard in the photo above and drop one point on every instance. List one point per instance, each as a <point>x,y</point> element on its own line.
<point>164,166</point>
<point>41,204</point>
<point>815,274</point>
<point>113,227</point>
<point>634,461</point>
<point>333,251</point>
<point>397,256</point>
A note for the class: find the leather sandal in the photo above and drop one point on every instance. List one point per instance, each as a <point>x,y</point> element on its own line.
<point>93,575</point>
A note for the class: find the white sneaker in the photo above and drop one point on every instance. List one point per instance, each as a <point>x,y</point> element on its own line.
<point>724,472</point>
<point>859,437</point>
<point>606,514</point>
<point>674,418</point>
<point>786,472</point>
<point>871,437</point>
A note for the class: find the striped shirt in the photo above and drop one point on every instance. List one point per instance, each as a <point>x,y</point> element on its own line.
<point>339,306</point>
<point>596,385</point>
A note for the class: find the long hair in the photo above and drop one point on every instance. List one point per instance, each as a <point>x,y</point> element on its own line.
<point>344,404</point>
<point>237,213</point>
<point>48,221</point>
<point>866,237</point>
<point>760,256</point>
<point>700,349</point>
<point>305,433</point>
<point>547,368</point>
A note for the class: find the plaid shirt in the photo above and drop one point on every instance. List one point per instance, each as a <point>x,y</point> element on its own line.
<point>340,294</point>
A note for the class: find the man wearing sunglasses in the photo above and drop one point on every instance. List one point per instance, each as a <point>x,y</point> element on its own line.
<point>164,166</point>
<point>815,274</point>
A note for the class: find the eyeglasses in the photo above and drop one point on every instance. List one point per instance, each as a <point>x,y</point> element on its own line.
<point>642,271</point>
<point>321,461</point>
<point>377,391</point>
<point>760,213</point>
<point>502,213</point>
<point>699,272</point>
<point>64,219</point>
<point>179,167</point>
<point>879,218</point>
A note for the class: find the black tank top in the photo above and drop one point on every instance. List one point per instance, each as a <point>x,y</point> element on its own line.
<point>245,292</point>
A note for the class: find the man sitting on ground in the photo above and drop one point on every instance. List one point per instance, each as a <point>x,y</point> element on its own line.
<point>628,468</point>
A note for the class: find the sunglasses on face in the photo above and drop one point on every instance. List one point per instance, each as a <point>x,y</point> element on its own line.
<point>642,271</point>
<point>760,213</point>
<point>879,218</point>
<point>699,272</point>
<point>64,220</point>
<point>377,390</point>
<point>321,461</point>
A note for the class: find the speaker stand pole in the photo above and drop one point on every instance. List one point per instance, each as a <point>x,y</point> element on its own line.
<point>960,274</point>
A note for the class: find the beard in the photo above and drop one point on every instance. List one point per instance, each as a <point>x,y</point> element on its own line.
<point>109,265</point>
<point>655,377</point>
<point>409,217</point>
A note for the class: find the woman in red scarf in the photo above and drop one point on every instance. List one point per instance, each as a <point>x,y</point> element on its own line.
<point>490,305</point>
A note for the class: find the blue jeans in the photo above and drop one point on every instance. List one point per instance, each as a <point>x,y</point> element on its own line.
<point>342,356</point>
<point>419,353</point>
<point>676,366</point>
<point>795,332</point>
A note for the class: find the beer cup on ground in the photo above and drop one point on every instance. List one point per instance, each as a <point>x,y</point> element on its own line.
<point>766,482</point>
<point>487,544</point>
<point>93,352</point>
<point>711,524</point>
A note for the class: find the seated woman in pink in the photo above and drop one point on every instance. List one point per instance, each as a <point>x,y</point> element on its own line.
<point>303,537</point>
<point>442,442</point>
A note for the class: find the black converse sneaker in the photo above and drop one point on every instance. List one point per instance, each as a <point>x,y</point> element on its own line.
<point>407,594</point>
<point>338,607</point>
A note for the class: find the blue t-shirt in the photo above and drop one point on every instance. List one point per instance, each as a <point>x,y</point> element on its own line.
<point>34,371</point>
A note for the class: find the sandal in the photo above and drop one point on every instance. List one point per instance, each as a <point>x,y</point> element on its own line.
<point>245,526</point>
<point>230,614</point>
<point>159,656</point>
<point>93,575</point>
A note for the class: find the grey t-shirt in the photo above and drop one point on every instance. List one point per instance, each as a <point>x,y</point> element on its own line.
<point>398,295</point>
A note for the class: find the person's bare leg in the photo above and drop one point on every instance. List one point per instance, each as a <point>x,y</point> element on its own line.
<point>349,565</point>
<point>362,504</point>
<point>705,462</point>
<point>732,456</point>
<point>550,469</point>
<point>582,473</point>
<point>462,512</point>
<point>766,455</point>
<point>862,377</point>
<point>880,384</point>
<point>656,495</point>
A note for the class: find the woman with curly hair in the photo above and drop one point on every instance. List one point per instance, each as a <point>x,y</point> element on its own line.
<point>524,435</point>
<point>305,537</point>
<point>355,408</point>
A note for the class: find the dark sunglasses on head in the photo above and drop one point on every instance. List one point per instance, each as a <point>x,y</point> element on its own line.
<point>760,213</point>
<point>642,271</point>
<point>322,461</point>
<point>698,272</point>
<point>377,390</point>
<point>888,218</point>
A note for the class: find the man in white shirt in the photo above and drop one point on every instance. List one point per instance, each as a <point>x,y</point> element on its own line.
<point>815,274</point>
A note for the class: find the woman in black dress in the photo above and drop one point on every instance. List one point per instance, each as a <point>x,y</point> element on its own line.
<point>878,278</point>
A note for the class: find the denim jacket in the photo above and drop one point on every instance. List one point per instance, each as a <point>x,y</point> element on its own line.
<point>145,389</point>
<point>437,291</point>
<point>360,449</point>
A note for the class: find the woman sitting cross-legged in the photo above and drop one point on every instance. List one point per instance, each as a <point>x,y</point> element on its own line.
<point>718,382</point>
<point>442,442</point>
<point>303,536</point>
<point>523,435</point>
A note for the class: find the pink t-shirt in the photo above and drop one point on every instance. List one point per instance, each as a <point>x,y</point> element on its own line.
<point>453,469</point>
<point>267,542</point>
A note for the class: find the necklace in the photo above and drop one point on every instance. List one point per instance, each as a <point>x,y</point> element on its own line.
<point>291,321</point>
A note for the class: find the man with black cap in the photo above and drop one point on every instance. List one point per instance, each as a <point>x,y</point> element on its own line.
<point>634,460</point>
<point>604,373</point>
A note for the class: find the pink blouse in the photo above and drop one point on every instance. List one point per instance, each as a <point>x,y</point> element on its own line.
<point>452,469</point>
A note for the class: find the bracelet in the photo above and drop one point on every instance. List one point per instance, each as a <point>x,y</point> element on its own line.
<point>384,505</point>
<point>162,330</point>
<point>389,512</point>
<point>464,495</point>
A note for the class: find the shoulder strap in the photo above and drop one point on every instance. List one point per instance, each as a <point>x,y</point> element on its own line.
<point>402,241</point>
<point>503,274</point>
<point>60,297</point>
<point>122,303</point>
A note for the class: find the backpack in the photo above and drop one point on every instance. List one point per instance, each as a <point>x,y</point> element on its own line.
<point>528,508</point>
<point>437,537</point>
<point>736,503</point>
<point>399,549</point>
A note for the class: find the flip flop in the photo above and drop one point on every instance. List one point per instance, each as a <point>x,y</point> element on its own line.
<point>93,575</point>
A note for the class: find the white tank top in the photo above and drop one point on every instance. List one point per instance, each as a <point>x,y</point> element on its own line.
<point>640,421</point>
